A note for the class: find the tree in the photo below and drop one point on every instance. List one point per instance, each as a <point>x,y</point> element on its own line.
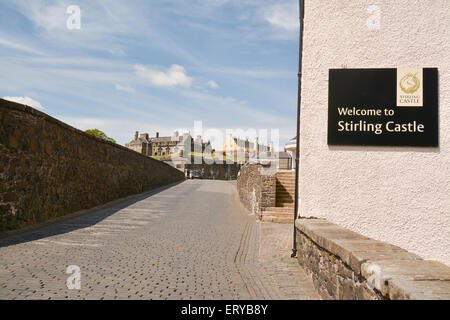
<point>100,134</point>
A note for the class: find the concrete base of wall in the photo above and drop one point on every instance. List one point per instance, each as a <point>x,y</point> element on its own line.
<point>347,266</point>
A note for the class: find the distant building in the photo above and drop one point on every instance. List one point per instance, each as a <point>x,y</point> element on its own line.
<point>242,150</point>
<point>175,150</point>
<point>291,148</point>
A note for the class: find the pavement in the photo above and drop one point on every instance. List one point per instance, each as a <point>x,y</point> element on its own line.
<point>190,241</point>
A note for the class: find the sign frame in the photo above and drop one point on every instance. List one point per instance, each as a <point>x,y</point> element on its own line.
<point>363,107</point>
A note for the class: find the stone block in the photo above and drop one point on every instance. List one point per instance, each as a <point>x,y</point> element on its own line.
<point>13,142</point>
<point>363,292</point>
<point>357,258</point>
<point>350,266</point>
<point>348,290</point>
<point>403,279</point>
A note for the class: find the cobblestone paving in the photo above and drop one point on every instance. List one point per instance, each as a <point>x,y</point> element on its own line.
<point>191,241</point>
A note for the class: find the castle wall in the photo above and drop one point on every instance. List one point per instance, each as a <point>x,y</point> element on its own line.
<point>49,169</point>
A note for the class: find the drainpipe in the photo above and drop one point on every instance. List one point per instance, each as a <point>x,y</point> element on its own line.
<point>299,100</point>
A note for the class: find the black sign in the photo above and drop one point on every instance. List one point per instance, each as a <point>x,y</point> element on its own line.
<point>383,107</point>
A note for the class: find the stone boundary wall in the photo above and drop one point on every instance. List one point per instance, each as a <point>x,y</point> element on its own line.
<point>49,169</point>
<point>347,266</point>
<point>256,186</point>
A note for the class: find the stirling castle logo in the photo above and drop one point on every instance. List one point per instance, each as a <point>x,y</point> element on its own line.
<point>410,87</point>
<point>410,83</point>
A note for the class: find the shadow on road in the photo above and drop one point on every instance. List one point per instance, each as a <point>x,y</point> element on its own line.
<point>75,221</point>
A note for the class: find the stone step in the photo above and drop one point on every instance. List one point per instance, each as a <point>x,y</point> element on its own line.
<point>275,219</point>
<point>285,190</point>
<point>278,214</point>
<point>278,210</point>
<point>284,196</point>
<point>285,173</point>
<point>279,186</point>
<point>285,193</point>
<point>286,179</point>
<point>285,204</point>
<point>286,183</point>
<point>283,201</point>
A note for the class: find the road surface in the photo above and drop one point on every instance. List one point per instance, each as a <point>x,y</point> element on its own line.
<point>193,240</point>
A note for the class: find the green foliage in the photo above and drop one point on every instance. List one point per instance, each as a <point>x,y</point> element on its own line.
<point>100,134</point>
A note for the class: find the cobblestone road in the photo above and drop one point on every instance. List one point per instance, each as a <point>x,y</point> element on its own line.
<point>193,240</point>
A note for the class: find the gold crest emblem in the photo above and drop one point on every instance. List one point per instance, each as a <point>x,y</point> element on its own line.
<point>410,83</point>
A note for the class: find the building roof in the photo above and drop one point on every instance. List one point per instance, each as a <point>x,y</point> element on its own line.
<point>291,143</point>
<point>164,139</point>
<point>248,144</point>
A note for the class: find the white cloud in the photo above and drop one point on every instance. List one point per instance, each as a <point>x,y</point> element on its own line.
<point>125,88</point>
<point>174,76</point>
<point>283,16</point>
<point>262,73</point>
<point>212,84</point>
<point>13,44</point>
<point>48,17</point>
<point>26,101</point>
<point>118,52</point>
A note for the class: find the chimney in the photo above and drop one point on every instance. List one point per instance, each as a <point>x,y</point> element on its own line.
<point>175,136</point>
<point>144,136</point>
<point>157,134</point>
<point>136,135</point>
<point>256,146</point>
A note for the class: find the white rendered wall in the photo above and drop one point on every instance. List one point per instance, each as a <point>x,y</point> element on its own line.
<point>397,195</point>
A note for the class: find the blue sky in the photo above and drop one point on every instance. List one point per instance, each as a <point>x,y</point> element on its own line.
<point>155,65</point>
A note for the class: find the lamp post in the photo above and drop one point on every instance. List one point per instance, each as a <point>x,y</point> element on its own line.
<point>299,100</point>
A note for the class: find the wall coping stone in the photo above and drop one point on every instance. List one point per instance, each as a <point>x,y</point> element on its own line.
<point>27,109</point>
<point>395,272</point>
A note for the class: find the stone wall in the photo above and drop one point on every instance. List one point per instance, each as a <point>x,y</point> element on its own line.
<point>256,186</point>
<point>347,266</point>
<point>49,169</point>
